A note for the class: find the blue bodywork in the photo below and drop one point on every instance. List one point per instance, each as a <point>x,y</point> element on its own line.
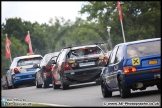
<point>145,72</point>
<point>26,77</point>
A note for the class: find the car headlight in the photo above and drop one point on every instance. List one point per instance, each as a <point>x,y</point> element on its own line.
<point>17,77</point>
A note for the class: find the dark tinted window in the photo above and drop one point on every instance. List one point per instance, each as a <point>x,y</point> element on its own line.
<point>142,49</point>
<point>84,51</point>
<point>118,54</point>
<point>112,56</point>
<point>29,61</point>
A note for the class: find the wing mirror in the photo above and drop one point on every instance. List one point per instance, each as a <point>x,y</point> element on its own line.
<point>36,66</point>
<point>53,61</point>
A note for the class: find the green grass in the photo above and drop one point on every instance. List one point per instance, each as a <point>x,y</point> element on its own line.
<point>39,105</point>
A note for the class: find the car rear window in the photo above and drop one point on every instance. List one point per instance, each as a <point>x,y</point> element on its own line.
<point>84,51</point>
<point>143,49</point>
<point>29,61</point>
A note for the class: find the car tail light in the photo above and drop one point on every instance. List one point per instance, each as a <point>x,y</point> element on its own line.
<point>129,69</point>
<point>66,66</point>
<point>16,71</point>
<point>47,74</point>
<point>48,68</point>
<point>105,60</point>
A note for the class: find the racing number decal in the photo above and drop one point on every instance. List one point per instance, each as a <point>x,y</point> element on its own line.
<point>135,61</point>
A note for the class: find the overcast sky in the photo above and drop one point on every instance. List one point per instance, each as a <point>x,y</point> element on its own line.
<point>40,11</point>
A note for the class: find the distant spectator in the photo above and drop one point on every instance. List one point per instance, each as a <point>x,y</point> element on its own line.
<point>4,82</point>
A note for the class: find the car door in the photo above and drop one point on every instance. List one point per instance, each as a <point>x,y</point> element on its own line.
<point>11,71</point>
<point>53,59</point>
<point>57,66</point>
<point>40,71</point>
<point>109,79</point>
<point>117,65</point>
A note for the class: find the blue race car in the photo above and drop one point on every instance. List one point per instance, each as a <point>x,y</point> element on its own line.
<point>133,65</point>
<point>22,71</point>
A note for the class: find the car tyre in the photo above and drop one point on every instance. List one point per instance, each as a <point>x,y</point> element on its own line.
<point>98,81</point>
<point>105,91</point>
<point>8,87</point>
<point>45,84</point>
<point>64,86</point>
<point>14,85</point>
<point>124,91</point>
<point>37,85</point>
<point>54,85</point>
<point>158,86</point>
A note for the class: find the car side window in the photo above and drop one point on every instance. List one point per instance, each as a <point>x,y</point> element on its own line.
<point>14,63</point>
<point>112,56</point>
<point>118,56</point>
<point>62,56</point>
<point>53,58</point>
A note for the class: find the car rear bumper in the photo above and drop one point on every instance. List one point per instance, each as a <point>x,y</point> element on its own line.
<point>82,75</point>
<point>48,79</point>
<point>147,78</point>
<point>24,78</point>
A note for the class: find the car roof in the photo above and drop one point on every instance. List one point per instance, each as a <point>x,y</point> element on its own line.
<point>27,56</point>
<point>140,41</point>
<point>77,47</point>
<point>85,45</point>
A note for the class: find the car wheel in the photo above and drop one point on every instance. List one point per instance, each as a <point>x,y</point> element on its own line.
<point>14,85</point>
<point>105,92</point>
<point>98,81</point>
<point>37,85</point>
<point>64,86</point>
<point>124,91</point>
<point>54,85</point>
<point>158,86</point>
<point>45,84</point>
<point>9,87</point>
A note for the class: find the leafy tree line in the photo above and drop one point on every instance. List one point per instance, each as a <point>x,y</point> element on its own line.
<point>141,20</point>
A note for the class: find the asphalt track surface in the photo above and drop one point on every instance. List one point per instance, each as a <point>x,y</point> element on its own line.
<point>83,95</point>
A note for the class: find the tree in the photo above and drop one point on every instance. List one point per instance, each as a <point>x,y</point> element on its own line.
<point>141,19</point>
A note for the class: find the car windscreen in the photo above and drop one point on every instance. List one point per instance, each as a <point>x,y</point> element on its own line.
<point>143,49</point>
<point>84,51</point>
<point>29,61</point>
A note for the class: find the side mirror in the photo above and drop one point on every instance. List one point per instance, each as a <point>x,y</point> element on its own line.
<point>36,66</point>
<point>53,61</point>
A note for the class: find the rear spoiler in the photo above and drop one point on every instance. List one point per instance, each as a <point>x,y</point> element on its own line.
<point>97,43</point>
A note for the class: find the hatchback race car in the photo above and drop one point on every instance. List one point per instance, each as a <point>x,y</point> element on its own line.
<point>22,71</point>
<point>43,72</point>
<point>133,65</point>
<point>78,64</point>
